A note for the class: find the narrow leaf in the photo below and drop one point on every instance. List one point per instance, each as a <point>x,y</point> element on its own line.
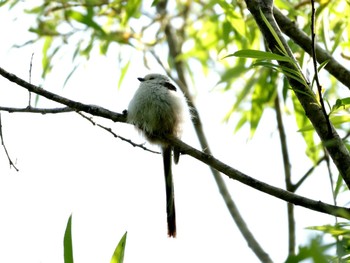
<point>118,255</point>
<point>273,32</point>
<point>67,242</point>
<point>123,72</point>
<point>257,54</point>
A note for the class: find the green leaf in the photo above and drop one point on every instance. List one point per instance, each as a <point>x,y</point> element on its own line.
<point>86,20</point>
<point>341,103</point>
<point>118,255</point>
<point>47,55</point>
<point>123,72</point>
<point>338,185</point>
<point>3,2</point>
<point>70,75</point>
<point>273,32</point>
<point>67,242</point>
<point>289,72</point>
<point>154,3</point>
<point>257,54</point>
<point>336,120</point>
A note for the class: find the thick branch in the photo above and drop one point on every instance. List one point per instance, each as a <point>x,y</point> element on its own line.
<point>299,37</point>
<point>331,140</point>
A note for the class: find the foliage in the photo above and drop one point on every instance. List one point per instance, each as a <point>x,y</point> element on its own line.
<point>117,257</point>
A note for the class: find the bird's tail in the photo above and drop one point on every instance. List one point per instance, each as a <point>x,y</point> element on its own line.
<point>169,187</point>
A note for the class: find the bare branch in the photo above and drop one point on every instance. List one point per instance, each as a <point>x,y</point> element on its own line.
<point>3,145</point>
<point>232,173</point>
<point>287,175</point>
<point>314,59</point>
<point>92,109</point>
<point>115,135</point>
<point>37,110</point>
<point>30,79</point>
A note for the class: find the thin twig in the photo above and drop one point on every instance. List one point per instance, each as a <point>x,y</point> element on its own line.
<point>3,145</point>
<point>91,109</point>
<point>30,80</point>
<point>114,134</point>
<point>290,28</point>
<point>288,176</point>
<point>306,175</point>
<point>314,59</point>
<point>37,110</point>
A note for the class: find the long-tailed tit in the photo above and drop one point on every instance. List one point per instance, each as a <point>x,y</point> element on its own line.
<point>157,110</point>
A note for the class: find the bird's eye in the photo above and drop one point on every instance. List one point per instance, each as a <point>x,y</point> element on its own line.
<point>151,78</point>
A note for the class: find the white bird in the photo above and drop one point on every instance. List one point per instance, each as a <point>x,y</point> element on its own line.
<point>157,110</point>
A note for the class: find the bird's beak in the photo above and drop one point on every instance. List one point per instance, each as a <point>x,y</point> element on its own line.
<point>141,79</point>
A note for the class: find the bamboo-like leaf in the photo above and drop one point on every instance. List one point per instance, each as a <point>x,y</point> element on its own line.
<point>118,255</point>
<point>67,243</point>
<point>336,120</point>
<point>257,54</point>
<point>341,103</point>
<point>85,19</point>
<point>338,185</point>
<point>70,75</point>
<point>122,73</point>
<point>273,32</point>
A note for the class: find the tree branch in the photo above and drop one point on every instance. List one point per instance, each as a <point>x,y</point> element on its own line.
<point>287,175</point>
<point>92,109</point>
<point>5,149</point>
<point>174,51</point>
<point>37,110</point>
<point>314,60</point>
<point>259,185</point>
<point>290,28</point>
<point>331,140</point>
<point>109,130</point>
<point>201,156</point>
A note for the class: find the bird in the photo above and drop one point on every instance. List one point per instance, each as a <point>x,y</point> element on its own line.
<point>157,110</point>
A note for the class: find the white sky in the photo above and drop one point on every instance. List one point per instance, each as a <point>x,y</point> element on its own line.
<point>69,166</point>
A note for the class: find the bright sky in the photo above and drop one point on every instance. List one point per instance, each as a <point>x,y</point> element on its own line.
<point>69,166</point>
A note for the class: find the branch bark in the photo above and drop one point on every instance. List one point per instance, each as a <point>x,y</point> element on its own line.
<point>186,149</point>
<point>290,28</point>
<point>330,138</point>
<point>92,109</point>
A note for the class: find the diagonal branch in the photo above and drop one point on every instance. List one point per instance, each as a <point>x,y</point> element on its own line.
<point>201,156</point>
<point>259,185</point>
<point>5,149</point>
<point>314,60</point>
<point>331,140</point>
<point>290,28</point>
